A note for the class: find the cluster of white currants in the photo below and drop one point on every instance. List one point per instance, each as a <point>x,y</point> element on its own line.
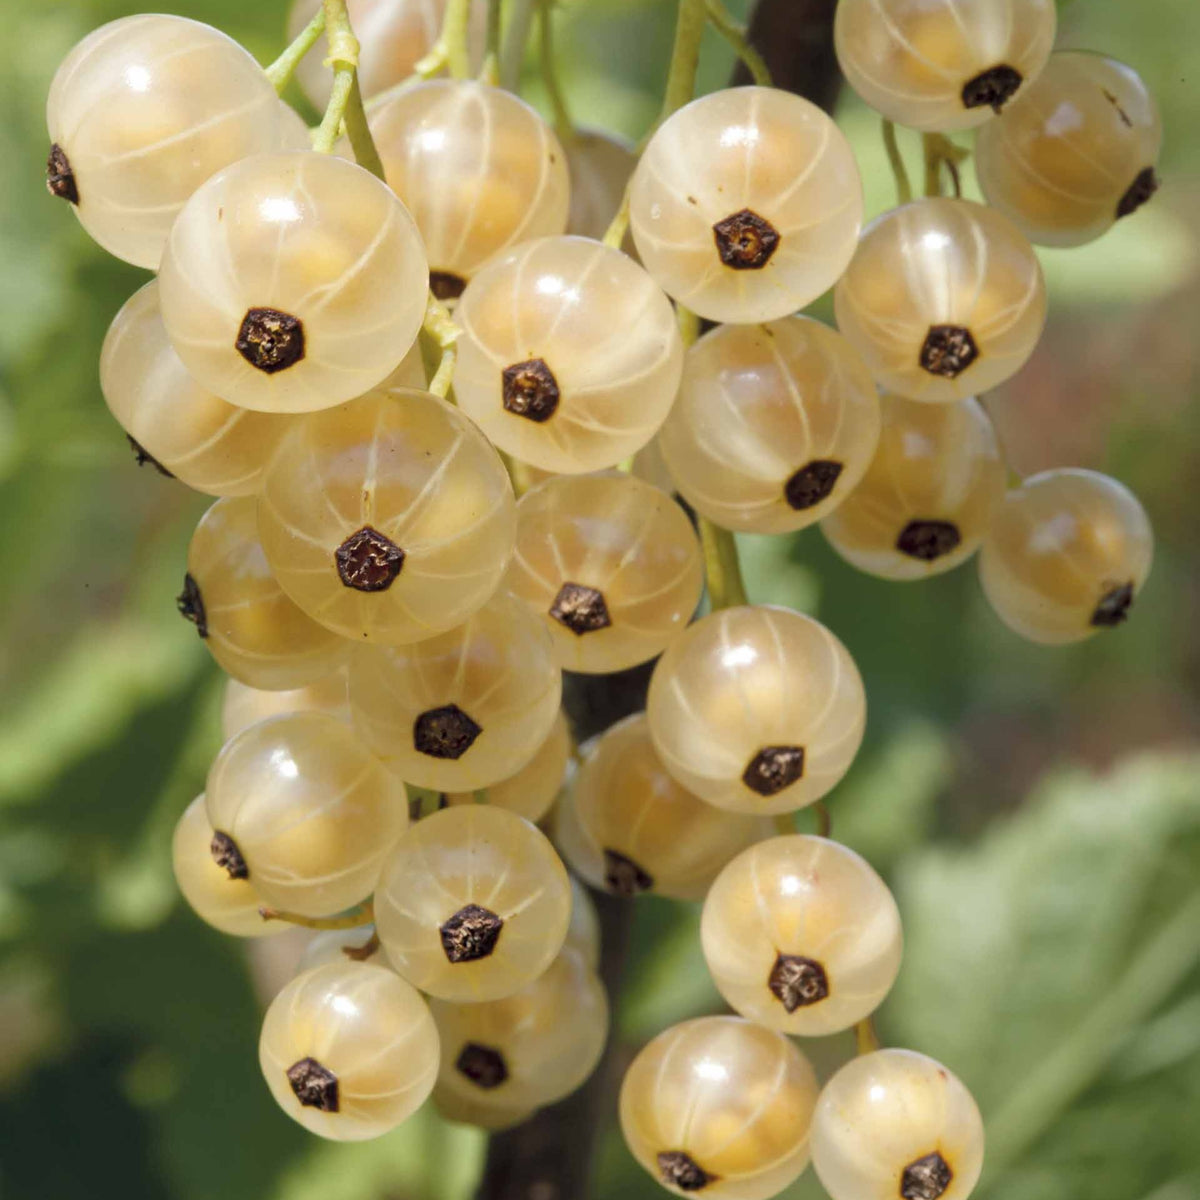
<point>396,623</point>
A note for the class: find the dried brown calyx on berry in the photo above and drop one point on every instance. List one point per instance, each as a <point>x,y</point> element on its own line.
<point>745,241</point>
<point>270,340</point>
<point>624,876</point>
<point>992,88</point>
<point>926,1178</point>
<point>1114,606</point>
<point>928,540</point>
<point>580,608</point>
<point>60,178</point>
<point>191,605</point>
<point>142,456</point>
<point>529,389</point>
<point>445,732</point>
<point>367,561</point>
<point>812,483</point>
<point>482,1065</point>
<point>471,934</point>
<point>1139,191</point>
<point>314,1086</point>
<point>796,981</point>
<point>682,1171</point>
<point>225,854</point>
<point>773,768</point>
<point>445,285</point>
<point>948,351</point>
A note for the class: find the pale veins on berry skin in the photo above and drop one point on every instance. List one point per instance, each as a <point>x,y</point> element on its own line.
<point>624,876</point>
<point>225,853</point>
<point>580,608</point>
<point>926,1178</point>
<point>445,732</point>
<point>796,981</point>
<point>993,88</point>
<point>1140,190</point>
<point>270,340</point>
<point>928,540</point>
<point>191,605</point>
<point>682,1171</point>
<point>60,179</point>
<point>812,483</point>
<point>530,390</point>
<point>745,241</point>
<point>773,768</point>
<point>482,1065</point>
<point>1114,606</point>
<point>315,1086</point>
<point>471,934</point>
<point>367,561</point>
<point>948,351</point>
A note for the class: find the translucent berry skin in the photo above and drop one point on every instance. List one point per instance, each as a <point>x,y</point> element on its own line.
<point>244,706</point>
<point>250,627</point>
<point>294,133</point>
<point>405,466</point>
<point>936,465</point>
<point>740,692</point>
<point>311,812</point>
<point>1065,556</point>
<point>483,857</point>
<point>230,905</point>
<point>600,165</point>
<point>610,564</point>
<point>313,239</point>
<point>752,149</point>
<point>926,63</point>
<point>934,267</point>
<point>365,1026</point>
<point>465,709</point>
<point>774,425</point>
<point>204,442</point>
<point>528,1049</point>
<point>1072,151</point>
<point>938,267</point>
<point>145,109</point>
<point>533,789</point>
<point>583,934</point>
<point>805,924</point>
<point>887,1110</point>
<point>602,331</point>
<point>735,1098</point>
<point>331,946</point>
<point>477,167</point>
<point>627,827</point>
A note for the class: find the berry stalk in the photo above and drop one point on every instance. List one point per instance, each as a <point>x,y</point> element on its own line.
<point>280,72</point>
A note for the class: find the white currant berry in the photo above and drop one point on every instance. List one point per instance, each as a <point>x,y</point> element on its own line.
<point>476,1110</point>
<point>774,425</point>
<point>757,709</point>
<point>746,204</point>
<point>944,299</point>
<point>1075,152</point>
<point>570,355</point>
<point>801,935</point>
<point>1065,556</point>
<point>359,944</point>
<point>896,1123</point>
<point>244,706</point>
<point>349,1050</point>
<point>721,1106</point>
<point>389,519</point>
<point>600,166</point>
<point>293,282</point>
<point>942,64</point>
<point>203,441</point>
<point>583,934</point>
<point>477,167</point>
<point>610,564</point>
<point>465,709</point>
<point>141,113</point>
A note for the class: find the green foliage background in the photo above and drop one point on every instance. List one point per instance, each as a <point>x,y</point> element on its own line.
<point>1038,811</point>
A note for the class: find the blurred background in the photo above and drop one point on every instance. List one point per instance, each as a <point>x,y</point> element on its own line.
<point>1036,810</point>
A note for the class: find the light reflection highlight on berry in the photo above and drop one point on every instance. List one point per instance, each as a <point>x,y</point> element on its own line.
<point>138,78</point>
<point>715,1072</point>
<point>279,208</point>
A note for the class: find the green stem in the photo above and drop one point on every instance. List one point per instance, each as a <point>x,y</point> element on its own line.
<point>824,820</point>
<point>734,32</point>
<point>721,567</point>
<point>280,72</point>
<point>516,38</point>
<point>685,56</point>
<point>1080,1057</point>
<point>562,117</point>
<point>614,235</point>
<point>422,801</point>
<point>941,151</point>
<point>366,153</point>
<point>867,1042</point>
<point>352,918</point>
<point>440,328</point>
<point>453,38</point>
<point>899,170</point>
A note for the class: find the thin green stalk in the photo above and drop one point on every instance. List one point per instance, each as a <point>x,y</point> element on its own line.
<point>280,72</point>
<point>734,32</point>
<point>685,56</point>
<point>352,918</point>
<point>366,153</point>
<point>722,570</point>
<point>440,328</point>
<point>1080,1057</point>
<point>562,117</point>
<point>903,186</point>
<point>614,235</point>
<point>453,38</point>
<point>516,38</point>
<point>941,151</point>
<point>867,1042</point>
